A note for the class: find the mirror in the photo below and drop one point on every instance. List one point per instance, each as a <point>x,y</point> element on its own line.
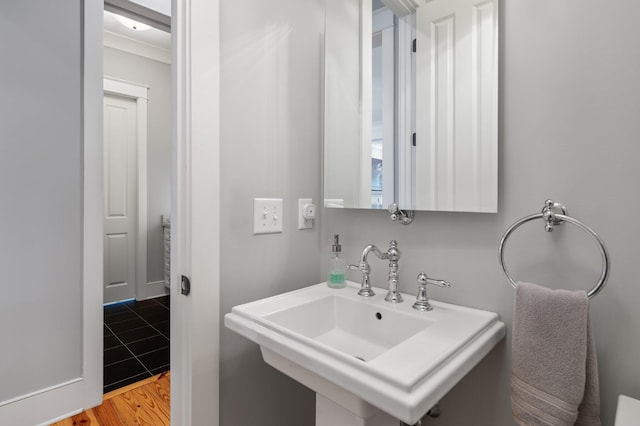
<point>418,128</point>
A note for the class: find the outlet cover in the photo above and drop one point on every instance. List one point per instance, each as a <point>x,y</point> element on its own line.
<point>302,222</point>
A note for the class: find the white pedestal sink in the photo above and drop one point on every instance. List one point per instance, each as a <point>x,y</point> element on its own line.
<point>377,361</point>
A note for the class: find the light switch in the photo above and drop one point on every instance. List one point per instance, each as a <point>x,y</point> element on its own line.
<point>267,215</point>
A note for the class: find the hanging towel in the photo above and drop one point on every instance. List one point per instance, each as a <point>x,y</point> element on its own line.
<point>554,379</point>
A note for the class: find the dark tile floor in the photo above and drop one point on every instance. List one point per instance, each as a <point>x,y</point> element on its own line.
<point>136,341</point>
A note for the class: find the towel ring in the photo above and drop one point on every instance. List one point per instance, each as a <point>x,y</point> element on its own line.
<point>555,214</point>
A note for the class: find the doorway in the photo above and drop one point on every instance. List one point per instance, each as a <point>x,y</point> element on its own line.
<point>194,320</point>
<point>137,198</point>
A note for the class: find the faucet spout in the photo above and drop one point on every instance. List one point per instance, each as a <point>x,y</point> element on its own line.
<point>363,266</point>
<point>393,255</point>
<point>369,249</point>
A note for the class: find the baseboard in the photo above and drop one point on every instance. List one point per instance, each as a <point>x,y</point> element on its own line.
<point>152,290</point>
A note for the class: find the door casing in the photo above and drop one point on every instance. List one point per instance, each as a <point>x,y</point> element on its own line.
<point>195,228</point>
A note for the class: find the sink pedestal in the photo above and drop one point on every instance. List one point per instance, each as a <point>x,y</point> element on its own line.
<point>342,408</point>
<point>328,413</point>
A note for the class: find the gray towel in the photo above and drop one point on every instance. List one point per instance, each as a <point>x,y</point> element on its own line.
<point>554,379</point>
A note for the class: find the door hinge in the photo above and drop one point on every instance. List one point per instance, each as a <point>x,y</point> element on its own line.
<point>185,285</point>
<point>413,139</point>
<point>414,45</point>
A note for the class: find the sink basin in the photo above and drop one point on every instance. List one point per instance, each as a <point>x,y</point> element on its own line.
<point>366,354</point>
<point>354,327</point>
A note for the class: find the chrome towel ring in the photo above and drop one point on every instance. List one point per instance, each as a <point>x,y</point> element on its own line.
<point>555,214</point>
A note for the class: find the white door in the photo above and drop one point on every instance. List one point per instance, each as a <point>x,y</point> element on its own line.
<point>456,77</point>
<point>51,185</point>
<point>120,198</point>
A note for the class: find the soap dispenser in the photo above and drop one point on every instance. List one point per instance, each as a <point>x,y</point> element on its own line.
<point>337,265</point>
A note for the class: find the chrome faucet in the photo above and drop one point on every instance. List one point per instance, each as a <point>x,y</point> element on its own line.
<point>393,254</point>
<point>363,266</point>
<point>422,302</point>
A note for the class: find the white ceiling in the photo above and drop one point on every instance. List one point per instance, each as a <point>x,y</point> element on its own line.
<point>153,36</point>
<point>162,6</point>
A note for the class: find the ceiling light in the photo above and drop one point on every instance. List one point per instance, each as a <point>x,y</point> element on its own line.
<point>133,25</point>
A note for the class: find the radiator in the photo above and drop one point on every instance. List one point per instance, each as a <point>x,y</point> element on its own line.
<point>166,227</point>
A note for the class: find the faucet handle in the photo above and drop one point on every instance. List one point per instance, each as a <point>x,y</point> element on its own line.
<point>362,267</point>
<point>422,302</point>
<point>423,280</point>
<point>404,217</point>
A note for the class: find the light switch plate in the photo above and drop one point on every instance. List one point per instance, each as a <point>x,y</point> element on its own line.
<point>302,222</point>
<point>267,215</point>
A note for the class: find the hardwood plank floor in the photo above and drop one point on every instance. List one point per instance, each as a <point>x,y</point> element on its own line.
<point>142,403</point>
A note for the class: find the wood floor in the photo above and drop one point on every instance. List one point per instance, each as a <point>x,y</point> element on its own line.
<point>139,404</point>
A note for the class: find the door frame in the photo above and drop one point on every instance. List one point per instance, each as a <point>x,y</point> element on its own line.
<point>195,228</point>
<point>139,93</point>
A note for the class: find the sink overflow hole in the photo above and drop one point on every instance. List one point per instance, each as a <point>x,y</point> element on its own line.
<point>361,359</point>
<point>378,315</point>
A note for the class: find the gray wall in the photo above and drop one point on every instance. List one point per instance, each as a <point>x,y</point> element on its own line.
<point>568,130</point>
<point>570,98</point>
<point>157,76</point>
<point>270,147</point>
<point>41,164</point>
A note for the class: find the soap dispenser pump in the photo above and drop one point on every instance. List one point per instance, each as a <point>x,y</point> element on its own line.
<point>337,265</point>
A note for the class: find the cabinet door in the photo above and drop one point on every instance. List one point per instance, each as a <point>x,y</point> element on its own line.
<point>457,105</point>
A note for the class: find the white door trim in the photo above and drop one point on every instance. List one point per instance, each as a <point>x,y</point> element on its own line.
<point>137,92</point>
<point>195,229</point>
<point>72,397</point>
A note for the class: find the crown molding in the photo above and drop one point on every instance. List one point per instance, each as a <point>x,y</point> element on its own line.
<point>129,45</point>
